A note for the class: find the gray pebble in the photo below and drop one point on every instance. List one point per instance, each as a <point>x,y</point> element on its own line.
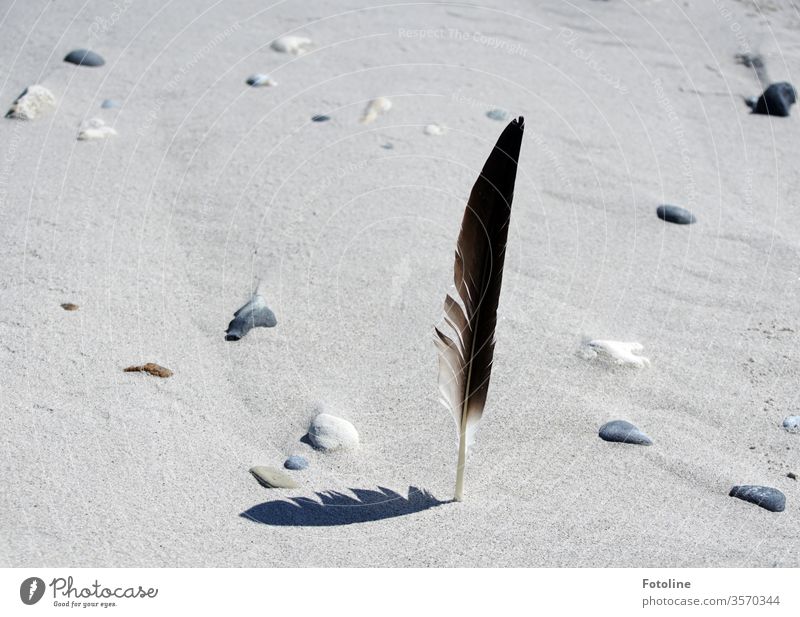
<point>328,432</point>
<point>110,104</point>
<point>84,57</point>
<point>792,424</point>
<point>501,115</point>
<point>272,478</point>
<point>320,118</point>
<point>254,314</point>
<point>675,214</point>
<point>296,463</point>
<point>260,80</point>
<point>776,100</point>
<point>624,432</point>
<point>765,496</point>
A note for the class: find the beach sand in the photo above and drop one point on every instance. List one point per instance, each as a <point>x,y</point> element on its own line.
<point>161,232</point>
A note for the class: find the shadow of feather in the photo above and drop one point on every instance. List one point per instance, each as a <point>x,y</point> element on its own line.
<point>334,508</point>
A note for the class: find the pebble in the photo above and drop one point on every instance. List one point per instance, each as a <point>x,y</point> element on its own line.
<point>320,118</point>
<point>387,146</point>
<point>95,128</point>
<point>296,463</point>
<point>295,45</point>
<point>501,115</point>
<point>624,432</point>
<point>675,214</point>
<point>375,108</point>
<point>151,368</point>
<point>776,100</point>
<point>792,424</point>
<point>272,478</point>
<point>260,80</point>
<point>615,352</point>
<point>765,496</point>
<point>84,57</point>
<point>35,101</point>
<point>69,306</point>
<point>254,314</point>
<point>328,433</point>
<point>434,129</point>
<point>792,475</point>
<point>110,104</point>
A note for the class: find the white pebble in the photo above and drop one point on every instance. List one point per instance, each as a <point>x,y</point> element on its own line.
<point>375,108</point>
<point>434,129</point>
<point>615,352</point>
<point>32,103</point>
<point>295,45</point>
<point>95,129</point>
<point>330,433</point>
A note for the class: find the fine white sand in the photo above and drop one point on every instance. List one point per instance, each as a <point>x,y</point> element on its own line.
<point>161,232</point>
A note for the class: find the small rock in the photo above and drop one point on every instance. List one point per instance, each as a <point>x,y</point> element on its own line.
<point>320,118</point>
<point>776,100</point>
<point>295,463</point>
<point>792,424</point>
<point>95,128</point>
<point>675,214</point>
<point>272,478</point>
<point>35,101</point>
<point>254,314</point>
<point>295,45</point>
<point>152,368</point>
<point>792,475</point>
<point>69,306</point>
<point>624,432</point>
<point>375,108</point>
<point>387,146</point>
<point>501,115</point>
<point>765,496</point>
<point>84,57</point>
<point>110,104</point>
<point>260,80</point>
<point>328,433</point>
<point>434,129</point>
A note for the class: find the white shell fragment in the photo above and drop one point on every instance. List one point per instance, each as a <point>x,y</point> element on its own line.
<point>615,352</point>
<point>95,129</point>
<point>295,45</point>
<point>35,101</point>
<point>434,129</point>
<point>375,108</point>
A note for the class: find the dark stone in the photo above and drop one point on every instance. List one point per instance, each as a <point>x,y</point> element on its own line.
<point>776,100</point>
<point>320,118</point>
<point>624,432</point>
<point>675,214</point>
<point>767,497</point>
<point>254,314</point>
<point>84,57</point>
<point>296,463</point>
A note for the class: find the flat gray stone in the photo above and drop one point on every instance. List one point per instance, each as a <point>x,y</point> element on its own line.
<point>765,496</point>
<point>272,478</point>
<point>110,104</point>
<point>328,433</point>
<point>501,115</point>
<point>624,432</point>
<point>84,57</point>
<point>675,214</point>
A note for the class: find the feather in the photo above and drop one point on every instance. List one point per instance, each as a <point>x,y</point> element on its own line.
<point>465,358</point>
